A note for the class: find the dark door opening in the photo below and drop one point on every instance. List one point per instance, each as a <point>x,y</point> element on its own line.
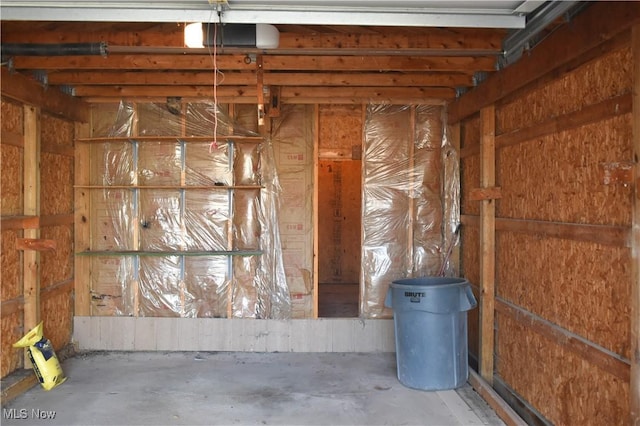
<point>339,242</point>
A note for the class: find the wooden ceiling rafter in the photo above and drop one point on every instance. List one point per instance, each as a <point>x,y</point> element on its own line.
<point>369,63</point>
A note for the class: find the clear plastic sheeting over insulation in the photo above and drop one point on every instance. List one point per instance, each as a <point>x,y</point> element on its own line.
<point>198,219</point>
<point>410,199</point>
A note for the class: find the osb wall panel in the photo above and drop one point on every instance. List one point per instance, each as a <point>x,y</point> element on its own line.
<point>469,179</point>
<point>340,128</point>
<point>583,287</point>
<point>57,266</point>
<point>339,222</point>
<point>470,268</point>
<point>598,80</point>
<point>12,120</point>
<point>11,265</point>
<point>11,358</point>
<point>56,310</point>
<point>564,388</point>
<point>56,182</point>
<point>470,132</point>
<point>55,131</point>
<point>559,177</point>
<point>11,180</point>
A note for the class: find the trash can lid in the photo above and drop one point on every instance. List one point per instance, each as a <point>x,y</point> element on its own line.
<point>429,282</point>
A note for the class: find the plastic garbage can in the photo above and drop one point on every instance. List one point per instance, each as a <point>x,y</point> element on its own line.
<point>430,320</point>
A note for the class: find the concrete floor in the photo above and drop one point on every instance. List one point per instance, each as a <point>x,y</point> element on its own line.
<point>240,388</point>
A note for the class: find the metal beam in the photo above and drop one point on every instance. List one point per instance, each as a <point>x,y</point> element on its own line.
<point>499,14</point>
<point>516,42</point>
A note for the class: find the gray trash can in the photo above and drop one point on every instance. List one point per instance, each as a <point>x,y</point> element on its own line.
<point>430,319</point>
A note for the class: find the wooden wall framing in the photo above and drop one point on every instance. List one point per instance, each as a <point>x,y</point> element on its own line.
<point>37,214</point>
<point>566,226</point>
<point>634,386</point>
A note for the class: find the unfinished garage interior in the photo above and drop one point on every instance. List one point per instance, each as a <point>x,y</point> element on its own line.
<point>260,191</point>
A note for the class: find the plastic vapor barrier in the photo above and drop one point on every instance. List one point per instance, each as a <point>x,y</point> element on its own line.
<point>197,218</point>
<point>410,199</point>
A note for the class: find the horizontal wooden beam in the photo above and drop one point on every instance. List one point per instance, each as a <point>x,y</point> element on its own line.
<point>590,352</point>
<point>56,289</point>
<point>420,38</point>
<point>604,110</point>
<point>50,147</point>
<point>199,78</point>
<point>56,220</point>
<point>502,409</point>
<point>600,234</point>
<point>156,78</point>
<point>12,138</point>
<point>35,222</point>
<point>289,94</point>
<point>378,63</point>
<point>231,92</point>
<point>20,222</point>
<point>10,307</point>
<point>291,37</point>
<point>28,91</point>
<point>18,386</point>
<point>600,22</point>
<point>270,63</point>
<point>479,194</point>
<point>245,100</point>
<point>395,79</point>
<point>135,62</point>
<point>35,244</point>
<point>409,100</point>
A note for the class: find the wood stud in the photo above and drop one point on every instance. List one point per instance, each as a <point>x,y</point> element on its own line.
<point>487,242</point>
<point>634,386</point>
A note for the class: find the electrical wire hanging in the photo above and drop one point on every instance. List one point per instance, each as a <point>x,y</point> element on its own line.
<point>213,54</point>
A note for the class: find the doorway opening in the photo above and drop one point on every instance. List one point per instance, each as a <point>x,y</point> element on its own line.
<point>339,242</point>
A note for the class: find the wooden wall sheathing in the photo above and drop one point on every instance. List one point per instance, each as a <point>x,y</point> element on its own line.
<point>563,387</point>
<point>470,134</point>
<point>339,193</point>
<point>57,266</point>
<point>470,268</point>
<point>12,331</point>
<point>12,120</point>
<point>606,77</point>
<point>56,182</point>
<point>56,312</point>
<point>339,129</point>
<point>11,265</point>
<point>558,177</point>
<point>109,296</point>
<point>339,198</point>
<point>469,179</point>
<point>55,131</point>
<point>11,180</point>
<point>56,198</point>
<point>11,175</point>
<point>580,286</point>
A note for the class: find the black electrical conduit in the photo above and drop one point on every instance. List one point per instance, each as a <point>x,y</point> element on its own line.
<point>50,49</point>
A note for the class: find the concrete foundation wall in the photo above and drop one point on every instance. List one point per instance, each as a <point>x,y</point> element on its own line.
<point>219,334</point>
